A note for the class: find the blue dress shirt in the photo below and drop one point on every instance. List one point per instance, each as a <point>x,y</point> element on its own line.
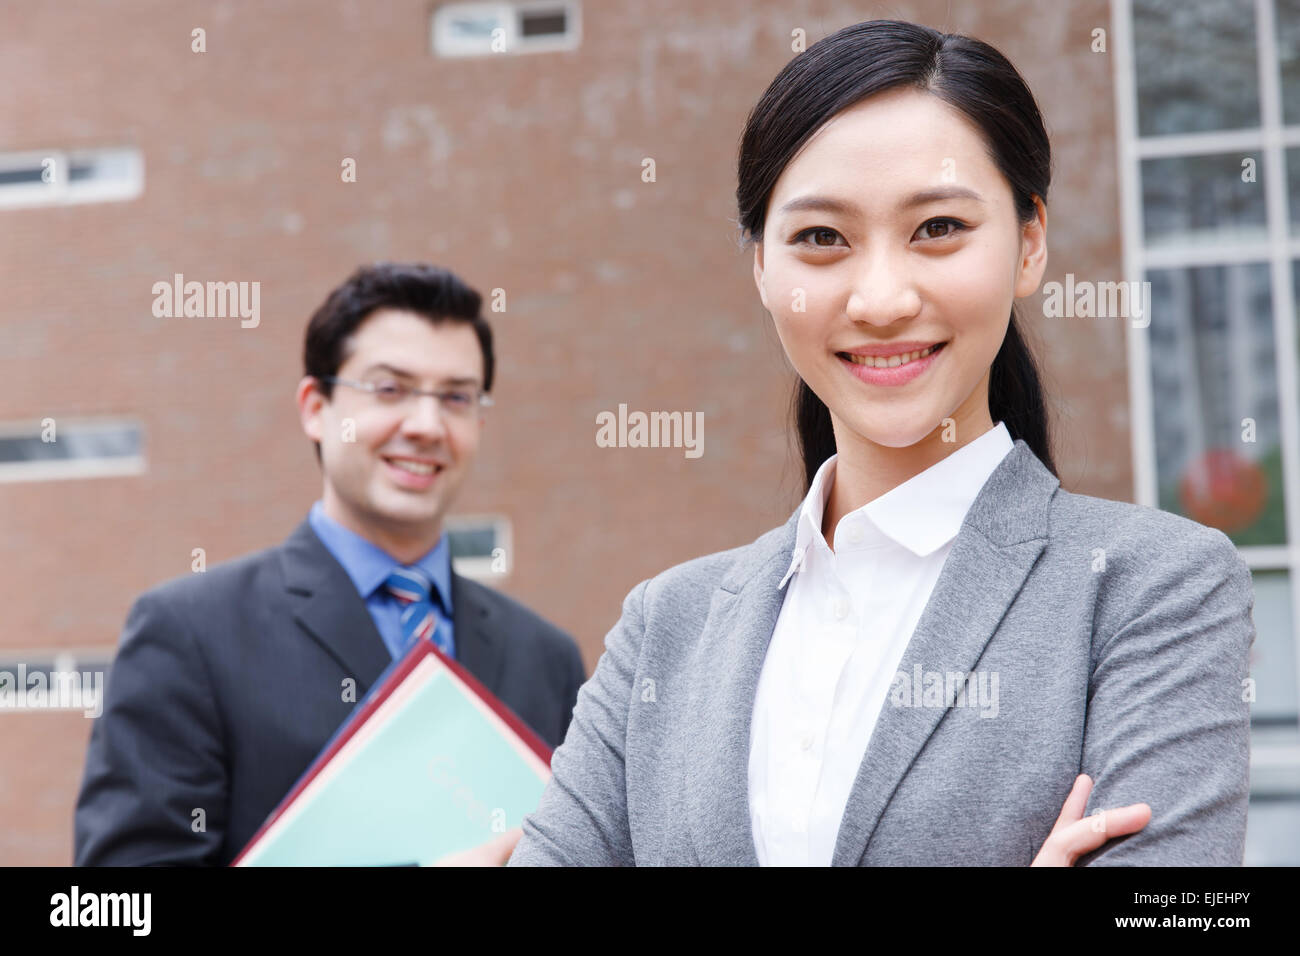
<point>369,565</point>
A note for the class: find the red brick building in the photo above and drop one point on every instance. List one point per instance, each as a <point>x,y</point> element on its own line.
<point>521,172</point>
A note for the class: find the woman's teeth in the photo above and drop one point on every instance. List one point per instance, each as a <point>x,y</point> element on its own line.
<point>891,361</point>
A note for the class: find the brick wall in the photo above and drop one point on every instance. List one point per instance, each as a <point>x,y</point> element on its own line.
<point>522,173</point>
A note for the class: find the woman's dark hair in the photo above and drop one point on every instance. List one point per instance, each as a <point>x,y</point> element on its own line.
<point>969,75</point>
<point>426,290</point>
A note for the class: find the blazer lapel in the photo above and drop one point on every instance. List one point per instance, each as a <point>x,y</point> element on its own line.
<point>723,679</point>
<point>325,603</point>
<point>478,647</point>
<point>1000,539</point>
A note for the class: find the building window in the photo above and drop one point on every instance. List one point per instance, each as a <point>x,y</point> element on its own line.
<point>52,449</point>
<point>480,546</point>
<point>56,177</point>
<point>483,29</point>
<point>1208,108</point>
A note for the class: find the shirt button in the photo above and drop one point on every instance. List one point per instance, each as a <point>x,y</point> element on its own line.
<point>807,742</point>
<point>799,826</point>
<point>855,535</point>
<point>840,608</point>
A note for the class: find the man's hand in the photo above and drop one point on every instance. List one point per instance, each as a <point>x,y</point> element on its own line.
<point>1074,836</point>
<point>492,853</point>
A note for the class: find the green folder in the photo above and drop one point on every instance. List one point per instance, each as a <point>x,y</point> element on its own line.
<point>429,763</point>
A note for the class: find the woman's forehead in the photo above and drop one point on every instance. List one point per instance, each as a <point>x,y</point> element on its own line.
<point>889,145</point>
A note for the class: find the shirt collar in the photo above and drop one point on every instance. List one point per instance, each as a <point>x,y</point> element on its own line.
<point>922,514</point>
<point>369,565</point>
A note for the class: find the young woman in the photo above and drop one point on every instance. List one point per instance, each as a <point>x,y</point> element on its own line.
<point>941,649</point>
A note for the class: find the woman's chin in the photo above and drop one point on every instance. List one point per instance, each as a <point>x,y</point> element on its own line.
<point>900,434</point>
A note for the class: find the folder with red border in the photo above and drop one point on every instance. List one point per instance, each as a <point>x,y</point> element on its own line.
<point>422,663</point>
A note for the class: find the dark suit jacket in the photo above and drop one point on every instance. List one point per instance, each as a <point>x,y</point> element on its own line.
<point>228,683</point>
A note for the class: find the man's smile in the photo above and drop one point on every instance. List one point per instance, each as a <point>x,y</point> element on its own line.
<point>413,472</point>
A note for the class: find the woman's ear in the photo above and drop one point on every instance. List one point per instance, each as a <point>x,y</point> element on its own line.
<point>1033,246</point>
<point>758,272</point>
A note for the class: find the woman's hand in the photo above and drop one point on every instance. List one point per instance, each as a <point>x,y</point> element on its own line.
<point>493,853</point>
<point>1071,838</point>
<point>1074,836</point>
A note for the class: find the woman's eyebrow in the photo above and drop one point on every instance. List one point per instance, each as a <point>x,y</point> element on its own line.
<point>846,208</point>
<point>938,194</point>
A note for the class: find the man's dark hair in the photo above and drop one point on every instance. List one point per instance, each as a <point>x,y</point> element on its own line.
<point>426,290</point>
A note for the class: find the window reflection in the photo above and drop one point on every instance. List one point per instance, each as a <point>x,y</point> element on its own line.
<point>1212,367</point>
<point>1195,66</point>
<point>1192,200</point>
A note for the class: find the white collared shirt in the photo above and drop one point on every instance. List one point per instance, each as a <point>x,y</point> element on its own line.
<point>847,618</point>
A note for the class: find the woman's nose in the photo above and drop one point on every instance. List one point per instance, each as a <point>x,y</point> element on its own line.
<point>882,290</point>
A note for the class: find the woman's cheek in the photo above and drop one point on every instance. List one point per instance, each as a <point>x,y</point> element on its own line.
<point>784,293</point>
<point>798,327</point>
<point>973,282</point>
<point>798,296</point>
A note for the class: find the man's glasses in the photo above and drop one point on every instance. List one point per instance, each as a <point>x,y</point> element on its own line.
<point>459,402</point>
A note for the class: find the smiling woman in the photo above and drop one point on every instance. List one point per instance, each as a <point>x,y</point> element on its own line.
<point>901,199</point>
<point>893,182</point>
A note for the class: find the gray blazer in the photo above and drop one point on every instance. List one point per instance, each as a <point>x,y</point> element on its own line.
<point>1119,636</point>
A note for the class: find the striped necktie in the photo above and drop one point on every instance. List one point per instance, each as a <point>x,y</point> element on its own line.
<point>422,619</point>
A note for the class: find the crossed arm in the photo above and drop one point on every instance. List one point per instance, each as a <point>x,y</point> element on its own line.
<point>1168,721</point>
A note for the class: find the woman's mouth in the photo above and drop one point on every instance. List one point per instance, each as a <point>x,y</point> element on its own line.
<point>891,370</point>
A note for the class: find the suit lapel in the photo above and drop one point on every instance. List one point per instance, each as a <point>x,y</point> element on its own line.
<point>723,679</point>
<point>477,645</point>
<point>324,602</point>
<point>1000,540</point>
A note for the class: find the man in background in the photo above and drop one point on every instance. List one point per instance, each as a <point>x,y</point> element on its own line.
<point>227,684</point>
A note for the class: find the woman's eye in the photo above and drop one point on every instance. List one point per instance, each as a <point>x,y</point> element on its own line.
<point>953,228</point>
<point>820,235</point>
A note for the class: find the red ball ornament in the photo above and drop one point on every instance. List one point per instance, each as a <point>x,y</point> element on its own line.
<point>1224,490</point>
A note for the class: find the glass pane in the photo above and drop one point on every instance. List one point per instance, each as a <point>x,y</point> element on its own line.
<point>74,441</point>
<point>1212,366</point>
<point>1287,16</point>
<point>1273,830</point>
<point>1195,65</point>
<point>1272,659</point>
<point>1202,200</point>
<point>1293,188</point>
<point>472,542</point>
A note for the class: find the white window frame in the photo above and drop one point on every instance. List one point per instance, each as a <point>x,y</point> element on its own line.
<point>480,568</point>
<point>126,183</point>
<point>1279,252</point>
<point>509,16</point>
<point>72,468</point>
